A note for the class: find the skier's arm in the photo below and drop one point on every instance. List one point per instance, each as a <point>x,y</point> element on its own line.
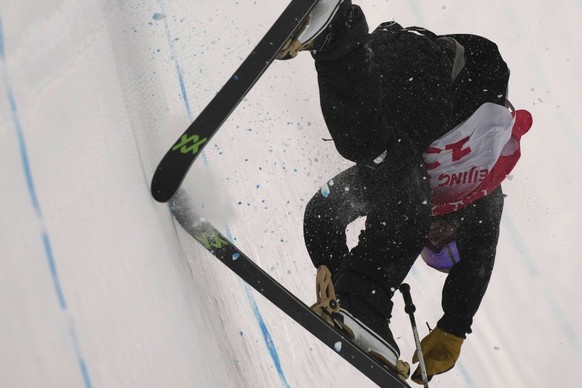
<point>467,281</point>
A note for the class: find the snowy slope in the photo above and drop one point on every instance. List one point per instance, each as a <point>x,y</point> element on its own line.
<point>100,288</point>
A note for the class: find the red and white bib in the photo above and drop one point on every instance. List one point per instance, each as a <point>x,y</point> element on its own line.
<point>472,159</point>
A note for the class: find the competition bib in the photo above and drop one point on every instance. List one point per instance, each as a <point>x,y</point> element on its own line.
<point>460,162</point>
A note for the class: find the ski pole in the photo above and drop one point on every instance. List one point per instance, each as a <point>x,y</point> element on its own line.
<point>409,308</point>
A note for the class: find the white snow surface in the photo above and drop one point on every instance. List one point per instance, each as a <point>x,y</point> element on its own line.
<point>99,286</point>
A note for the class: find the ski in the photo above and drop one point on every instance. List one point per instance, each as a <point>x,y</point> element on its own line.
<point>174,166</point>
<point>224,250</point>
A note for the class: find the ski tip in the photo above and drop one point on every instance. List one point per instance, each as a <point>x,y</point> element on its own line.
<point>160,195</point>
<point>161,198</point>
<point>165,183</point>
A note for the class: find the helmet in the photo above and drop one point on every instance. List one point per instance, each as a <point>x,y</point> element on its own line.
<point>444,259</point>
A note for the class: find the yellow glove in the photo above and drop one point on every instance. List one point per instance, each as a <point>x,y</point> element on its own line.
<point>440,351</point>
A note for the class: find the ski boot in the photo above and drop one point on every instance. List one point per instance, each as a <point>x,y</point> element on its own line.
<point>374,336</point>
<point>326,19</point>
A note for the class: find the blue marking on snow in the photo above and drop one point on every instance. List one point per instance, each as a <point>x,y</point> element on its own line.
<point>264,329</point>
<point>518,241</point>
<point>81,360</point>
<point>465,375</point>
<point>181,80</point>
<point>158,16</point>
<point>52,265</point>
<point>418,13</point>
<point>176,62</point>
<point>37,208</point>
<point>267,336</point>
<point>1,42</point>
<point>561,317</point>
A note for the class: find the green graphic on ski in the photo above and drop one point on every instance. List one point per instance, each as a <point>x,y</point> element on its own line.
<point>217,244</point>
<point>174,166</point>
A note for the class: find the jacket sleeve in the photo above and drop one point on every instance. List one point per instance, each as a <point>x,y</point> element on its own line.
<point>467,281</point>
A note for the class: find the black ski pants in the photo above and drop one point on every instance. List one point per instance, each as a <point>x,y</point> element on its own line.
<point>395,199</point>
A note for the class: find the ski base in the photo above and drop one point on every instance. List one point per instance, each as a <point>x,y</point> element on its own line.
<point>175,164</point>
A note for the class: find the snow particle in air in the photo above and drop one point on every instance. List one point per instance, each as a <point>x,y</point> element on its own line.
<point>325,190</point>
<point>337,346</point>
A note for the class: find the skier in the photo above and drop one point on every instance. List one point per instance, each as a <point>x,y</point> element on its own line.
<point>410,108</point>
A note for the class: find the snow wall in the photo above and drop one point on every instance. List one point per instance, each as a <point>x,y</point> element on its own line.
<point>99,287</point>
